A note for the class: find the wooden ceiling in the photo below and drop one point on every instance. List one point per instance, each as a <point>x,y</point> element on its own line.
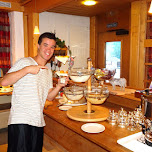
<point>75,7</point>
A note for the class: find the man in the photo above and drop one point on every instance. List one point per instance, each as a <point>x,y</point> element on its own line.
<point>32,82</point>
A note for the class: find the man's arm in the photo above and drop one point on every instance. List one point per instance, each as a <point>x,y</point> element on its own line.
<point>13,77</point>
<point>53,92</point>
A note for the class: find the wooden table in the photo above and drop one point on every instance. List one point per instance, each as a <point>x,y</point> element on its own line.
<point>5,94</point>
<point>68,132</point>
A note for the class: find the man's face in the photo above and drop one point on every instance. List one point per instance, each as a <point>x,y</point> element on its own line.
<point>46,48</point>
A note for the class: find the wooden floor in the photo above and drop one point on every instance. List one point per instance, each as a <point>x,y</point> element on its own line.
<point>48,146</point>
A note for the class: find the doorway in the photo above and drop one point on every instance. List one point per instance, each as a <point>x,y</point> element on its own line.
<point>113,56</point>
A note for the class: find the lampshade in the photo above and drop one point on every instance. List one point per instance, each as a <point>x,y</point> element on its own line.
<point>150,9</point>
<point>36,30</point>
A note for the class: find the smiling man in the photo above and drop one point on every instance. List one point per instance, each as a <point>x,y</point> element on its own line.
<point>32,82</point>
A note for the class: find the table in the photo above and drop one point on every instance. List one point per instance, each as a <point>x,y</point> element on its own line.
<point>68,132</point>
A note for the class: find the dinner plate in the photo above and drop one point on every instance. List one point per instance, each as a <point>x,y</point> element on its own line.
<point>65,108</point>
<point>93,128</point>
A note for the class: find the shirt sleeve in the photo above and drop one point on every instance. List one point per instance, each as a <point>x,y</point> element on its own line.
<point>19,64</point>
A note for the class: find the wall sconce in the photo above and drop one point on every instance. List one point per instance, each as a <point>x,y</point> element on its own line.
<point>150,9</point>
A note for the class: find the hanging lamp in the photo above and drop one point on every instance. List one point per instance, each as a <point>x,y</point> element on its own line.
<point>36,29</point>
<point>150,9</point>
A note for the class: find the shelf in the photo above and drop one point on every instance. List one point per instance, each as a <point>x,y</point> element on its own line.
<point>57,49</point>
<point>148,43</point>
<point>147,80</point>
<point>148,63</point>
<point>149,21</point>
<point>60,51</point>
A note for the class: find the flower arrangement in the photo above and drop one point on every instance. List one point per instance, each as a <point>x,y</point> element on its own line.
<point>60,43</point>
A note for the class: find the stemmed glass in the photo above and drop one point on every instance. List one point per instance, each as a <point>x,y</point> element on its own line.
<point>104,74</point>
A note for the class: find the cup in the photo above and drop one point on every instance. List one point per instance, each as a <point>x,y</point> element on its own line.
<point>62,79</point>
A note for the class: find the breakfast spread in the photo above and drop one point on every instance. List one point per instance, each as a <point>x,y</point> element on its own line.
<point>62,73</point>
<point>62,59</point>
<point>5,89</point>
<point>82,78</point>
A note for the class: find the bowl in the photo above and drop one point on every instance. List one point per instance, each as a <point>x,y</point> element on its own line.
<point>97,95</point>
<point>80,74</point>
<point>74,93</point>
<point>104,74</point>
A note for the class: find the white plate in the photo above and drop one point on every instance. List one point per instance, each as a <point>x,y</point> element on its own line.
<point>65,108</point>
<point>58,97</point>
<point>74,104</point>
<point>61,74</point>
<point>93,128</point>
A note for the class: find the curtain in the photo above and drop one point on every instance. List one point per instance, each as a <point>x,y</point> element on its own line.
<point>4,42</point>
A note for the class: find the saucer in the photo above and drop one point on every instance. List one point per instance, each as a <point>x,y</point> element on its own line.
<point>65,108</point>
<point>93,128</point>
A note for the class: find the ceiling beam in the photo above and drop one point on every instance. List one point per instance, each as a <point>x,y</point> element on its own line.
<point>23,2</point>
<point>41,5</point>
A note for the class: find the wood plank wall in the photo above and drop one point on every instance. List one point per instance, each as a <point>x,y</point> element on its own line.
<point>132,18</point>
<point>122,17</point>
<point>138,35</point>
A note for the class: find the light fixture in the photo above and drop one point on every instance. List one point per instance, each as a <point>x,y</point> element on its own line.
<point>89,2</point>
<point>150,9</point>
<point>36,29</point>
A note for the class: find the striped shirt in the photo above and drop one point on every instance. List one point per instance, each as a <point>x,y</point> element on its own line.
<point>29,95</point>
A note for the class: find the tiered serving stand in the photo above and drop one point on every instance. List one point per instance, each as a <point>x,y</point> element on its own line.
<point>89,112</point>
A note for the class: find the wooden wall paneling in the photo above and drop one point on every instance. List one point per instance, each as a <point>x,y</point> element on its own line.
<point>42,6</point>
<point>14,6</point>
<point>143,24</point>
<point>125,56</point>
<point>32,20</point>
<point>122,17</point>
<point>101,51</point>
<point>125,51</point>
<point>138,17</point>
<point>30,34</point>
<point>35,36</point>
<point>25,20</point>
<point>93,39</point>
<point>69,139</point>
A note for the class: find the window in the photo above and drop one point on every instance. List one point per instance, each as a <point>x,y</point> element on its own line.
<point>113,56</point>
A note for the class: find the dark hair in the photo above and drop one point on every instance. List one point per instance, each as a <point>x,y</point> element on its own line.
<point>46,35</point>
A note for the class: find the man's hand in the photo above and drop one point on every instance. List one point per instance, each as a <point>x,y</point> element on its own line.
<point>34,69</point>
<point>63,84</point>
<point>53,92</point>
